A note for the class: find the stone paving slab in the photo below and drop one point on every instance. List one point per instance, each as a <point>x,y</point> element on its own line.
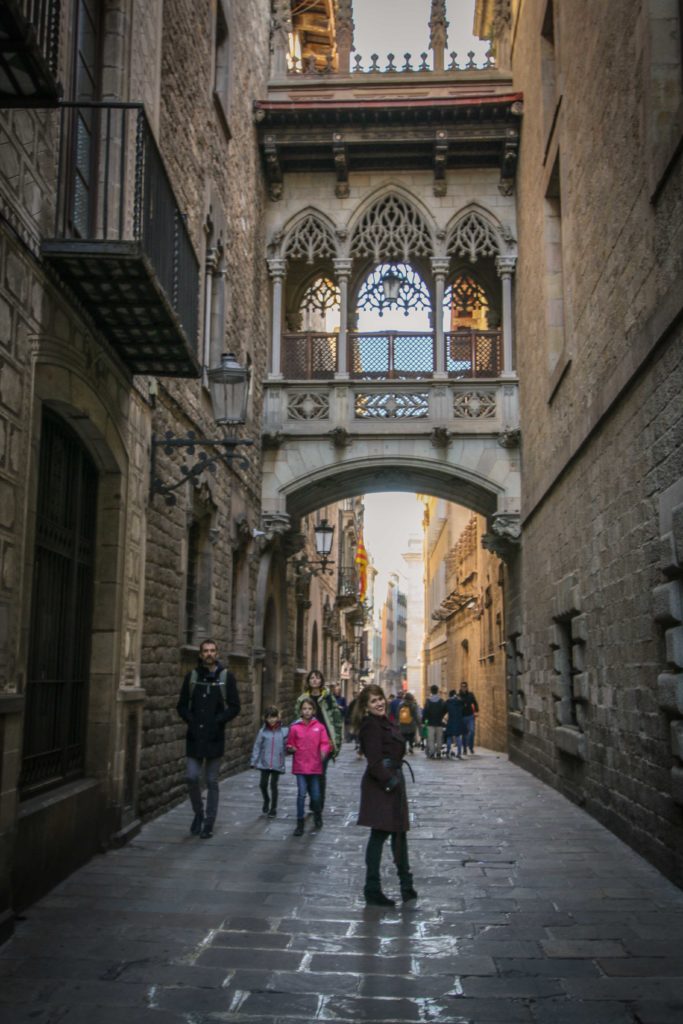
<point>529,912</point>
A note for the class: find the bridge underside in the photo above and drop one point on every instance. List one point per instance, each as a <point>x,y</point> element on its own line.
<point>300,478</point>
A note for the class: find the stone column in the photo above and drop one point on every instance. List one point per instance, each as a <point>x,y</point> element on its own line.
<point>277,269</point>
<point>505,265</point>
<point>440,265</point>
<point>342,270</point>
<point>344,29</point>
<point>438,33</point>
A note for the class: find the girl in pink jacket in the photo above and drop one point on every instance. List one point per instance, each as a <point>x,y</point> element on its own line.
<point>309,742</point>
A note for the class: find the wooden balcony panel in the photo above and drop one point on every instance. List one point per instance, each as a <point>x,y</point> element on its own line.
<point>117,285</point>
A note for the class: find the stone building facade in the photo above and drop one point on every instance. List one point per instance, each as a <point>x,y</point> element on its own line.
<point>130,258</point>
<point>596,663</point>
<point>465,615</point>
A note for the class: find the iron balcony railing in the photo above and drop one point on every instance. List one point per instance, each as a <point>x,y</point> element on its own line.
<point>392,355</point>
<point>113,188</point>
<point>29,52</point>
<point>347,583</point>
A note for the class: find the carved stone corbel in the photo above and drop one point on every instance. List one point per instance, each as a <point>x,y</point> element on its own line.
<point>341,166</point>
<point>340,437</point>
<point>505,535</point>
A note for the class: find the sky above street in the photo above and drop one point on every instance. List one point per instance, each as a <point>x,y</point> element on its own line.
<point>402,26</point>
<point>390,519</point>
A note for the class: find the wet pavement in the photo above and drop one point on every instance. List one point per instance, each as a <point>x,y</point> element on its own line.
<point>529,911</point>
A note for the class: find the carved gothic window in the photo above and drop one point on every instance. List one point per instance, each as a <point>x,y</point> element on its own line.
<point>391,229</point>
<point>320,296</point>
<point>311,239</point>
<point>468,304</point>
<point>473,236</point>
<point>410,291</point>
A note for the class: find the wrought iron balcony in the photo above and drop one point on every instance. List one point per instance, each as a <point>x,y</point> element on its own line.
<point>121,242</point>
<point>347,587</point>
<point>393,355</point>
<point>29,38</point>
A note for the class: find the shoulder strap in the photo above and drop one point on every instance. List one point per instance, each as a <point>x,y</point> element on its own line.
<point>223,683</point>
<point>194,677</point>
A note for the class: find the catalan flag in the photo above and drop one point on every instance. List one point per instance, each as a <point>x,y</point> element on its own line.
<point>361,561</point>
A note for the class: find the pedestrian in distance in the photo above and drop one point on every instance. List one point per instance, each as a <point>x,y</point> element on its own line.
<point>268,756</point>
<point>383,798</point>
<point>393,706</point>
<point>328,714</point>
<point>455,724</point>
<point>470,711</point>
<point>343,707</point>
<point>409,719</point>
<point>208,701</point>
<point>309,743</point>
<point>433,714</point>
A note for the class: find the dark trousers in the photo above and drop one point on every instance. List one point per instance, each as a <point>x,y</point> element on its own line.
<point>373,860</point>
<point>269,776</point>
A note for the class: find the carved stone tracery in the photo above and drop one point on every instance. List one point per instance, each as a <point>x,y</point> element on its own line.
<point>473,236</point>
<point>311,239</point>
<point>391,229</point>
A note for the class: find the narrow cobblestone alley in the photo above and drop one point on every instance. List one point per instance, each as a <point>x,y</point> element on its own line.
<point>529,911</point>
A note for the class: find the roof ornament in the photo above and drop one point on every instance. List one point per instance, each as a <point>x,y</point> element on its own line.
<point>438,33</point>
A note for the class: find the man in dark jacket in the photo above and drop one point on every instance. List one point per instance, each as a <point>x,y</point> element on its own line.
<point>469,710</point>
<point>208,700</point>
<point>433,715</point>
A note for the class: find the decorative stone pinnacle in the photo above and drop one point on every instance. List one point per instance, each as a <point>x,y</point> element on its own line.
<point>438,33</point>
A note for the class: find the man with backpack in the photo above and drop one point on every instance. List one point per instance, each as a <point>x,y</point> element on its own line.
<point>208,701</point>
<point>408,719</point>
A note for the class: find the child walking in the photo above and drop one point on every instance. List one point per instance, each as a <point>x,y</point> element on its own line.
<point>309,742</point>
<point>268,755</point>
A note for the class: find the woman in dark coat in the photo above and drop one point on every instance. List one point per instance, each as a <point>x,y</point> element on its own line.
<point>383,799</point>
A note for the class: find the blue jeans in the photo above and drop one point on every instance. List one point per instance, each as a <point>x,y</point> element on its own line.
<point>458,745</point>
<point>193,779</point>
<point>469,733</point>
<point>307,784</point>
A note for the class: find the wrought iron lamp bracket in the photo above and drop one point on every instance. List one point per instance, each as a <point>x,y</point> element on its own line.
<point>226,454</point>
<point>307,568</point>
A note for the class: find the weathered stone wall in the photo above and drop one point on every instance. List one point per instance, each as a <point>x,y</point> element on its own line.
<point>211,173</point>
<point>602,424</point>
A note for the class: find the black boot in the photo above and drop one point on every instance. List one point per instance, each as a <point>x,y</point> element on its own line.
<point>196,826</point>
<point>299,830</point>
<point>266,805</point>
<point>273,809</point>
<point>207,829</point>
<point>378,899</point>
<point>408,894</point>
<point>317,820</point>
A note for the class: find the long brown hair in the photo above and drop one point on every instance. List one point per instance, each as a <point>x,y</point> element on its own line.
<point>360,708</point>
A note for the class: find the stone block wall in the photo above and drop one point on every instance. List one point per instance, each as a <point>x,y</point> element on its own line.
<point>602,425</point>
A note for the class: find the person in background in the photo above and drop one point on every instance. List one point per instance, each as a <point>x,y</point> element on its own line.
<point>393,706</point>
<point>268,756</point>
<point>310,744</point>
<point>342,705</point>
<point>409,719</point>
<point>455,724</point>
<point>208,701</point>
<point>328,714</point>
<point>470,710</point>
<point>383,798</point>
<point>433,713</point>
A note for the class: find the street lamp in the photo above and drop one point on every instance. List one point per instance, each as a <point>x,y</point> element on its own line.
<point>229,385</point>
<point>391,285</point>
<point>324,535</point>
